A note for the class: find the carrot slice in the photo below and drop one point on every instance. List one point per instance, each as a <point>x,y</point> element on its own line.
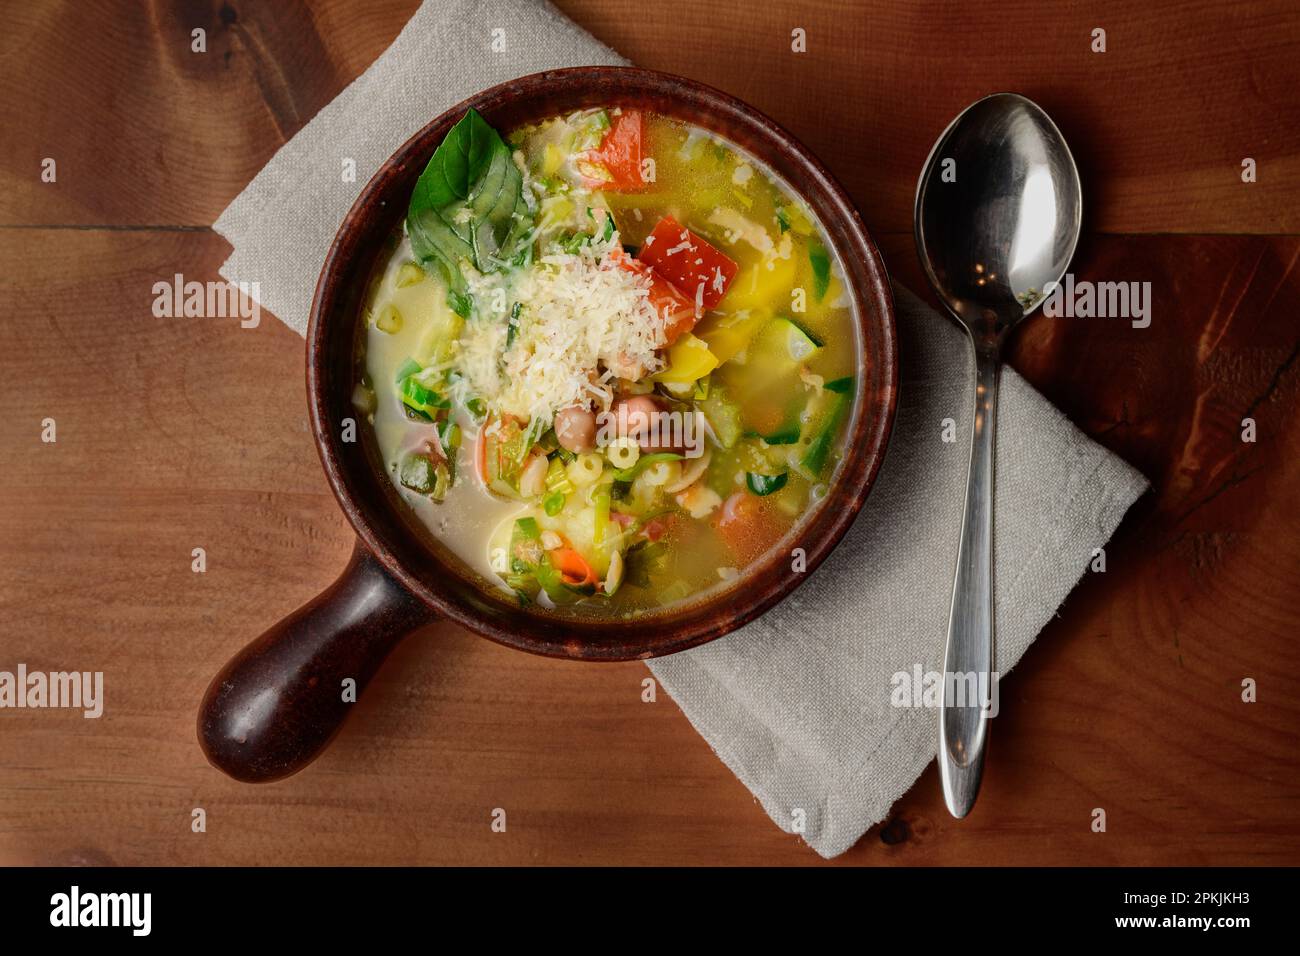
<point>573,567</point>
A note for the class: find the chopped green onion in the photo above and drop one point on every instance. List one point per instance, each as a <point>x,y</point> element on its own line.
<point>409,368</point>
<point>782,218</point>
<point>557,477</point>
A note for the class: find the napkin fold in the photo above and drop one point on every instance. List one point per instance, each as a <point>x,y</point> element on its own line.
<point>802,704</point>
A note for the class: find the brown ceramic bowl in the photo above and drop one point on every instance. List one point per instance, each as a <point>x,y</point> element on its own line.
<point>274,707</point>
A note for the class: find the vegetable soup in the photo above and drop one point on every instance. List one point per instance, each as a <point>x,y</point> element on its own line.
<point>608,361</point>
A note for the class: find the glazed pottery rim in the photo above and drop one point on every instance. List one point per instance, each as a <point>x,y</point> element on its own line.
<point>762,584</point>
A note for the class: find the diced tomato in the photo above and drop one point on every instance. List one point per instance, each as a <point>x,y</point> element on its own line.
<point>699,271</point>
<point>620,154</point>
<point>677,312</point>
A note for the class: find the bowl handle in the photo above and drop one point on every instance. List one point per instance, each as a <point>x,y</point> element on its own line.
<point>277,703</point>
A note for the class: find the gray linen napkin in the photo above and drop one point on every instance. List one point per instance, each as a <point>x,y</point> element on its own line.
<point>798,703</point>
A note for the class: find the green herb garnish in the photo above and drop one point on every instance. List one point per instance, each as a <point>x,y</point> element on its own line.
<point>468,205</point>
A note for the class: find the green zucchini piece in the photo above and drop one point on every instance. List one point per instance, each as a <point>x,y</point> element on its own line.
<point>787,434</point>
<point>821,268</point>
<point>763,485</point>
<point>417,473</point>
<point>785,342</point>
<point>421,474</point>
<point>526,546</point>
<point>422,398</point>
<point>723,416</point>
<point>819,436</point>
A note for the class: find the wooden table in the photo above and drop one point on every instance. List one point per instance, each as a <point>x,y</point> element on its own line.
<point>173,435</point>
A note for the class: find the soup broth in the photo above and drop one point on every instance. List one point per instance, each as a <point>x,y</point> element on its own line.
<point>609,359</point>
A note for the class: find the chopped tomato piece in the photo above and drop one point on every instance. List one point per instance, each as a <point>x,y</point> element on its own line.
<point>573,567</point>
<point>699,271</point>
<point>677,312</point>
<point>619,154</point>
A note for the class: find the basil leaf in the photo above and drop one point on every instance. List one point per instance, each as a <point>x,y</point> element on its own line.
<point>456,164</point>
<point>468,205</point>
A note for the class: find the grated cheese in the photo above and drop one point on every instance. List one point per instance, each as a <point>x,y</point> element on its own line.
<point>585,321</point>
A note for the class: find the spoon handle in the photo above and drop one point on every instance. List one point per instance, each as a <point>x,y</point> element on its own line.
<point>968,658</point>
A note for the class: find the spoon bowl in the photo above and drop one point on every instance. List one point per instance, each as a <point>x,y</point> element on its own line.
<point>998,212</point>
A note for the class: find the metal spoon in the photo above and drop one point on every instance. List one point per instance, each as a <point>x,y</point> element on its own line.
<point>998,208</point>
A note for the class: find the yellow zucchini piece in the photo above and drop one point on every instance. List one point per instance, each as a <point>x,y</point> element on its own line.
<point>552,159</point>
<point>758,287</point>
<point>689,360</point>
<point>729,335</point>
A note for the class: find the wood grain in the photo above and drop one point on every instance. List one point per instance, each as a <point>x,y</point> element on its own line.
<point>183,433</point>
<point>1184,92</point>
